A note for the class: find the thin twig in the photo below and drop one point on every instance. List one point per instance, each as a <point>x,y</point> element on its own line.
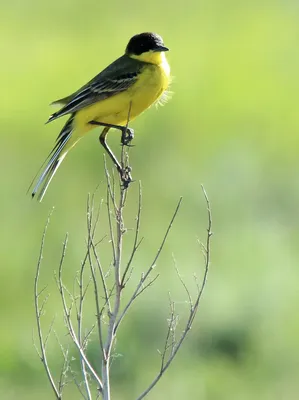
<point>97,218</point>
<point>144,287</point>
<point>169,330</point>
<point>87,336</point>
<point>183,283</point>
<point>110,187</point>
<point>82,293</point>
<point>67,314</point>
<point>95,284</point>
<point>137,242</point>
<point>49,332</point>
<point>103,279</point>
<point>145,276</point>
<point>193,309</point>
<point>118,288</point>
<point>109,217</point>
<point>43,356</point>
<point>65,366</point>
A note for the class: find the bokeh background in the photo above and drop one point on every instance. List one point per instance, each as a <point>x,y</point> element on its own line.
<point>232,125</point>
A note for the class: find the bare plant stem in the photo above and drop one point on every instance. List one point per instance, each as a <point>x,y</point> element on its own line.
<point>118,288</point>
<point>80,338</point>
<point>141,285</point>
<point>39,312</point>
<point>165,362</point>
<point>67,315</point>
<point>110,300</point>
<point>137,242</point>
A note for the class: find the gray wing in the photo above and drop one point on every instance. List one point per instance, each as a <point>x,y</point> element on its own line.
<point>116,78</point>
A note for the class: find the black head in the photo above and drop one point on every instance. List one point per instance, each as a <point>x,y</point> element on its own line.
<point>145,42</point>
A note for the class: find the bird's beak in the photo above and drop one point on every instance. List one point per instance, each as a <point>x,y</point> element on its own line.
<point>161,48</point>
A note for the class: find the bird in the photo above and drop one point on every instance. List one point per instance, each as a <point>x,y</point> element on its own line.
<point>112,99</point>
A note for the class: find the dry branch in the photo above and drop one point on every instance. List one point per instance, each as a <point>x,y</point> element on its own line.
<point>110,310</point>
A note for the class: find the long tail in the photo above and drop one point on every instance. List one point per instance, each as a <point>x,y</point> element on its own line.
<point>54,160</point>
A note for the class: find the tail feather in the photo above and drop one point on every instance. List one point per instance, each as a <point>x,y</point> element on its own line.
<point>54,160</point>
<point>47,178</point>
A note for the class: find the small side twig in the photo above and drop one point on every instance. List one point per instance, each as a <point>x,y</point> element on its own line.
<point>175,346</point>
<point>140,287</point>
<point>137,242</point>
<point>38,314</point>
<point>95,284</point>
<point>82,293</point>
<point>67,315</point>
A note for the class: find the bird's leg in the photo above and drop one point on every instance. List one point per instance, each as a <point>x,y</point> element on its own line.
<point>125,173</point>
<point>127,134</point>
<point>103,142</point>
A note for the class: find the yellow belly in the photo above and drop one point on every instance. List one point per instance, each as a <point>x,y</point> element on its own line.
<point>115,110</point>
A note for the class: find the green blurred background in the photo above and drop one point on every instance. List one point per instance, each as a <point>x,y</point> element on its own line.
<point>232,125</point>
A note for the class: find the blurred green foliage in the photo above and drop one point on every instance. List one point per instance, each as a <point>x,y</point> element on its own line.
<point>232,125</point>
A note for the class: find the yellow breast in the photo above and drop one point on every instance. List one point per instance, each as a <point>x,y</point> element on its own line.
<point>152,83</point>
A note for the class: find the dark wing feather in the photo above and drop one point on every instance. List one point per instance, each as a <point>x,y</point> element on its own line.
<point>116,78</point>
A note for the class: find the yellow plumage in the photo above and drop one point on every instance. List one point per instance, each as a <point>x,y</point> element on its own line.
<point>150,86</point>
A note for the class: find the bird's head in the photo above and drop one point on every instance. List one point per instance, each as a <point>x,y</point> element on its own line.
<point>146,47</point>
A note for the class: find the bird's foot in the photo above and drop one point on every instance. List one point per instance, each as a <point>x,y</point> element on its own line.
<point>126,177</point>
<point>127,136</point>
